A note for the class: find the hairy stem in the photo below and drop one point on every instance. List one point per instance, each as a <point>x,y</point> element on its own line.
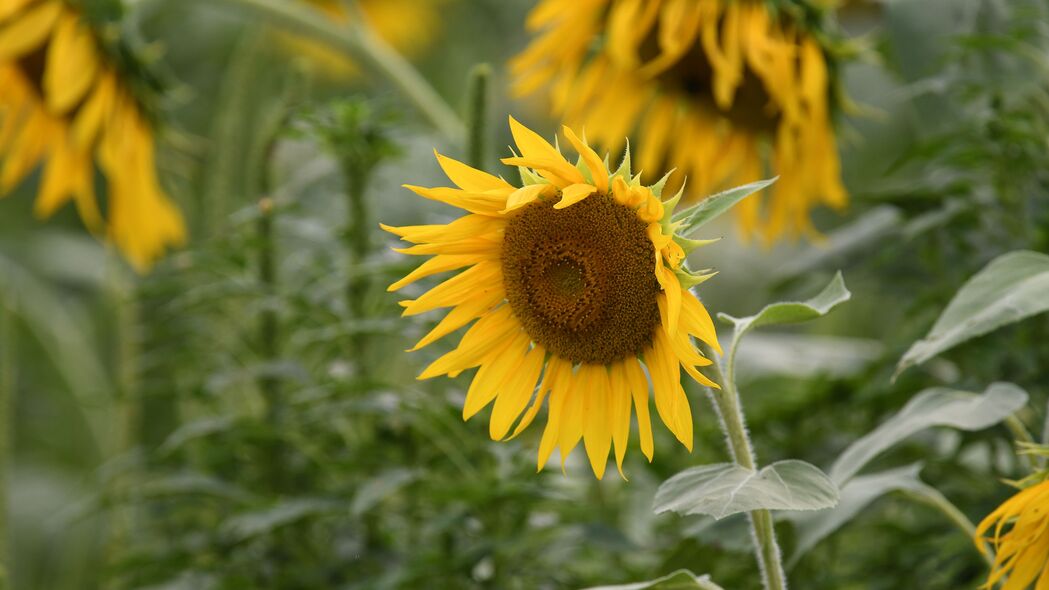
<point>733,424</point>
<point>358,243</point>
<point>359,42</point>
<point>8,364</point>
<point>932,497</point>
<point>477,114</point>
<point>1021,434</point>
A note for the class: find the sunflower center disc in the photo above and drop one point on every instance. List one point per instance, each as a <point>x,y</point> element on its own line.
<point>581,280</point>
<point>693,76</point>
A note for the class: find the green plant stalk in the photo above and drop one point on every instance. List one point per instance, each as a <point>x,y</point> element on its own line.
<point>932,497</point>
<point>229,128</point>
<point>1021,434</point>
<point>268,335</point>
<point>733,423</point>
<point>359,244</point>
<point>8,364</point>
<point>130,409</point>
<point>359,42</point>
<point>477,114</point>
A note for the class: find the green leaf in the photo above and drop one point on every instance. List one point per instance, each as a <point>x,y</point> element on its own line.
<point>1012,287</point>
<point>792,312</point>
<point>713,206</point>
<point>843,244</point>
<point>937,406</point>
<point>856,495</point>
<point>379,488</point>
<point>726,488</point>
<point>679,580</point>
<point>252,524</point>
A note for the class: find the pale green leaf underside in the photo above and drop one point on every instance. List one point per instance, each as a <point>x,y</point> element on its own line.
<point>713,206</point>
<point>938,406</point>
<point>856,495</point>
<point>679,580</point>
<point>792,312</point>
<point>1012,287</point>
<point>726,488</point>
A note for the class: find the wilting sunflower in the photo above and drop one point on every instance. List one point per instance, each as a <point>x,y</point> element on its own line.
<point>578,285</point>
<point>64,104</point>
<point>720,89</point>
<point>409,26</point>
<point>1020,539</point>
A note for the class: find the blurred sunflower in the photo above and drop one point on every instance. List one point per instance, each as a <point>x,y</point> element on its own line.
<point>1022,551</point>
<point>64,100</point>
<point>409,26</point>
<point>720,89</point>
<point>577,280</point>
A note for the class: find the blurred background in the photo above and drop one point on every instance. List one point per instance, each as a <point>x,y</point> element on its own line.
<point>243,415</point>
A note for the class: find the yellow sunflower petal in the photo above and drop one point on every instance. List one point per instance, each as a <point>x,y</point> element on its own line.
<point>28,32</point>
<point>516,392</point>
<point>468,178</point>
<point>639,391</point>
<point>534,147</point>
<point>71,64</point>
<point>571,195</point>
<point>594,163</point>
<point>597,428</point>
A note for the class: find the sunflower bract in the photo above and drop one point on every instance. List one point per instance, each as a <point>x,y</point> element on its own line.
<point>576,287</point>
<point>720,89</point>
<point>64,105</point>
<point>1018,530</point>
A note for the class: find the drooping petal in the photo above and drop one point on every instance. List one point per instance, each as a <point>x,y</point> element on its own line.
<point>594,163</point>
<point>30,30</point>
<point>571,195</point>
<point>516,392</point>
<point>597,427</point>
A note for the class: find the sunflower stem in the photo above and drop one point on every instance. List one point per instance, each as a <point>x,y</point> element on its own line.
<point>1020,433</point>
<point>733,423</point>
<point>477,114</point>
<point>358,41</point>
<point>229,128</point>
<point>8,365</point>
<point>932,497</point>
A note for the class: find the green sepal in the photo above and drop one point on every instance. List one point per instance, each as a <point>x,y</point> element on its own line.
<point>688,244</point>
<point>713,206</point>
<point>657,188</point>
<point>624,165</point>
<point>584,170</point>
<point>667,223</point>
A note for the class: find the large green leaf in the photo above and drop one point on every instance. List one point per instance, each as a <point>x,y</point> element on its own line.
<point>1012,287</point>
<point>842,245</point>
<point>246,525</point>
<point>791,312</point>
<point>679,580</point>
<point>856,495</point>
<point>713,206</point>
<point>723,489</point>
<point>379,488</point>
<point>937,406</point>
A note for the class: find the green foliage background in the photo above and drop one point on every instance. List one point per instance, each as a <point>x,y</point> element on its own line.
<point>245,417</point>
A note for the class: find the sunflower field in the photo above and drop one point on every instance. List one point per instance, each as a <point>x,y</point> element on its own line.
<point>524,294</point>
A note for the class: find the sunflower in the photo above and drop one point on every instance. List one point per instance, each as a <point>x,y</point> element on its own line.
<point>409,26</point>
<point>1022,551</point>
<point>720,89</point>
<point>63,101</point>
<point>578,284</point>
